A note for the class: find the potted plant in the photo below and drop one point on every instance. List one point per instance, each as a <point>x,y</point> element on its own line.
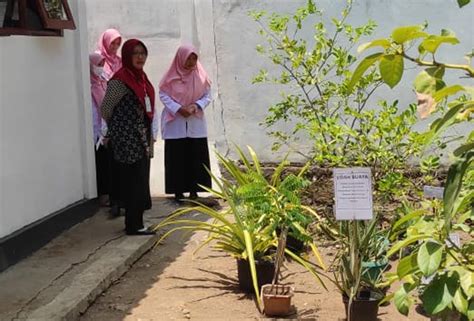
<point>360,294</point>
<point>246,227</point>
<point>375,261</point>
<point>276,298</point>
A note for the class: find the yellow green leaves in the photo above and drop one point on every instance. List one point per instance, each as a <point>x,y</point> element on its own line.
<point>391,69</point>
<point>402,298</point>
<point>462,3</point>
<point>439,294</point>
<point>429,257</point>
<point>362,67</point>
<point>429,81</point>
<point>431,43</point>
<point>384,43</point>
<point>403,34</point>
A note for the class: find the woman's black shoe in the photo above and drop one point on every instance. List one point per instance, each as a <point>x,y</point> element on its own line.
<point>178,197</point>
<point>193,195</point>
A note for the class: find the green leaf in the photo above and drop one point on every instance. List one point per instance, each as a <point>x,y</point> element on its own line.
<point>362,67</point>
<point>429,257</point>
<point>402,298</point>
<point>251,261</point>
<point>407,33</point>
<point>454,183</point>
<point>408,217</point>
<point>439,294</point>
<point>462,3</point>
<point>407,265</point>
<point>470,310</point>
<point>458,152</point>
<point>385,43</point>
<point>447,91</point>
<point>447,33</point>
<point>404,243</point>
<point>391,69</point>
<point>432,43</point>
<point>440,124</point>
<point>427,82</point>
<point>467,283</point>
<point>460,302</point>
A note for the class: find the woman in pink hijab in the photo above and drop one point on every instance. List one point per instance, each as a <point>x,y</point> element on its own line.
<point>108,46</point>
<point>98,88</point>
<point>185,93</point>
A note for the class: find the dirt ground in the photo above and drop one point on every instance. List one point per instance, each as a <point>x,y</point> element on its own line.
<point>172,283</point>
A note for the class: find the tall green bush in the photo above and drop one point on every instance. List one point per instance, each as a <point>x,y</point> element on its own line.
<point>343,127</point>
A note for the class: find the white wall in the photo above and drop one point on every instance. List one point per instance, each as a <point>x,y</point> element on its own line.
<point>44,162</point>
<point>245,105</point>
<point>227,37</point>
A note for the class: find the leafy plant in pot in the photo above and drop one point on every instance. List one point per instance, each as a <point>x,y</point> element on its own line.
<point>246,227</point>
<point>375,262</point>
<point>360,294</point>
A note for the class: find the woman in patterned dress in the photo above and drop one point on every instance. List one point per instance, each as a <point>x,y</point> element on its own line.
<point>128,109</point>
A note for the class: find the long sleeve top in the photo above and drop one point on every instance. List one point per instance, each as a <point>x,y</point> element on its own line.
<point>128,125</point>
<point>193,126</point>
<point>100,126</point>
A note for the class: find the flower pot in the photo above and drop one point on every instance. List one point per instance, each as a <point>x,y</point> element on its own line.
<point>364,309</point>
<point>265,271</point>
<point>276,299</point>
<point>294,245</point>
<point>373,270</point>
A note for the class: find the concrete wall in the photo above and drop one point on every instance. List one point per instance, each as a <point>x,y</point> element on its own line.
<point>245,105</point>
<point>45,160</point>
<point>227,37</point>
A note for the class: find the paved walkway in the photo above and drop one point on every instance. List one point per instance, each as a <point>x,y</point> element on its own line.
<point>59,281</point>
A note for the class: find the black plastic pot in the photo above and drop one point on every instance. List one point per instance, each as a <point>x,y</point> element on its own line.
<point>265,271</point>
<point>364,307</point>
<point>294,245</point>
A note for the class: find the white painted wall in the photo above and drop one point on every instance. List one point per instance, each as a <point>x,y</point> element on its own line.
<point>227,37</point>
<point>236,36</point>
<point>45,162</point>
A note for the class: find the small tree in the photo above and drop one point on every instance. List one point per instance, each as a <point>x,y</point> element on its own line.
<point>343,126</point>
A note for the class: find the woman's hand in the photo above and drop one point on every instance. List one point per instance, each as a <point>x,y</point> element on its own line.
<point>189,110</point>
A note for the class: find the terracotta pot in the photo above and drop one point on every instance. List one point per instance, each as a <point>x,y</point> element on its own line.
<point>265,271</point>
<point>364,309</point>
<point>276,299</point>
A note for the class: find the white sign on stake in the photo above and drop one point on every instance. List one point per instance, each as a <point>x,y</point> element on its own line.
<point>353,193</point>
<point>433,192</point>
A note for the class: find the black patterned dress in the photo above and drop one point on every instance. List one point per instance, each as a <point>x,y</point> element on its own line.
<point>130,134</point>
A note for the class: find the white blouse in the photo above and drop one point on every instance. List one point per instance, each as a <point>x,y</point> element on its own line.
<point>183,127</point>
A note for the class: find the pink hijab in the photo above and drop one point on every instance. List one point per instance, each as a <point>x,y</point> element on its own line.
<point>113,62</point>
<point>183,85</point>
<point>98,84</point>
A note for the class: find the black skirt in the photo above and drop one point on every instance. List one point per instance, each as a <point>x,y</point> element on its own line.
<point>186,160</point>
<point>134,191</point>
<point>102,170</point>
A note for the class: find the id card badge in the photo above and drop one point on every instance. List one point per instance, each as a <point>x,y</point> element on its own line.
<point>147,104</point>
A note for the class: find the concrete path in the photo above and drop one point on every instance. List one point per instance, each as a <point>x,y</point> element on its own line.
<point>59,281</point>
